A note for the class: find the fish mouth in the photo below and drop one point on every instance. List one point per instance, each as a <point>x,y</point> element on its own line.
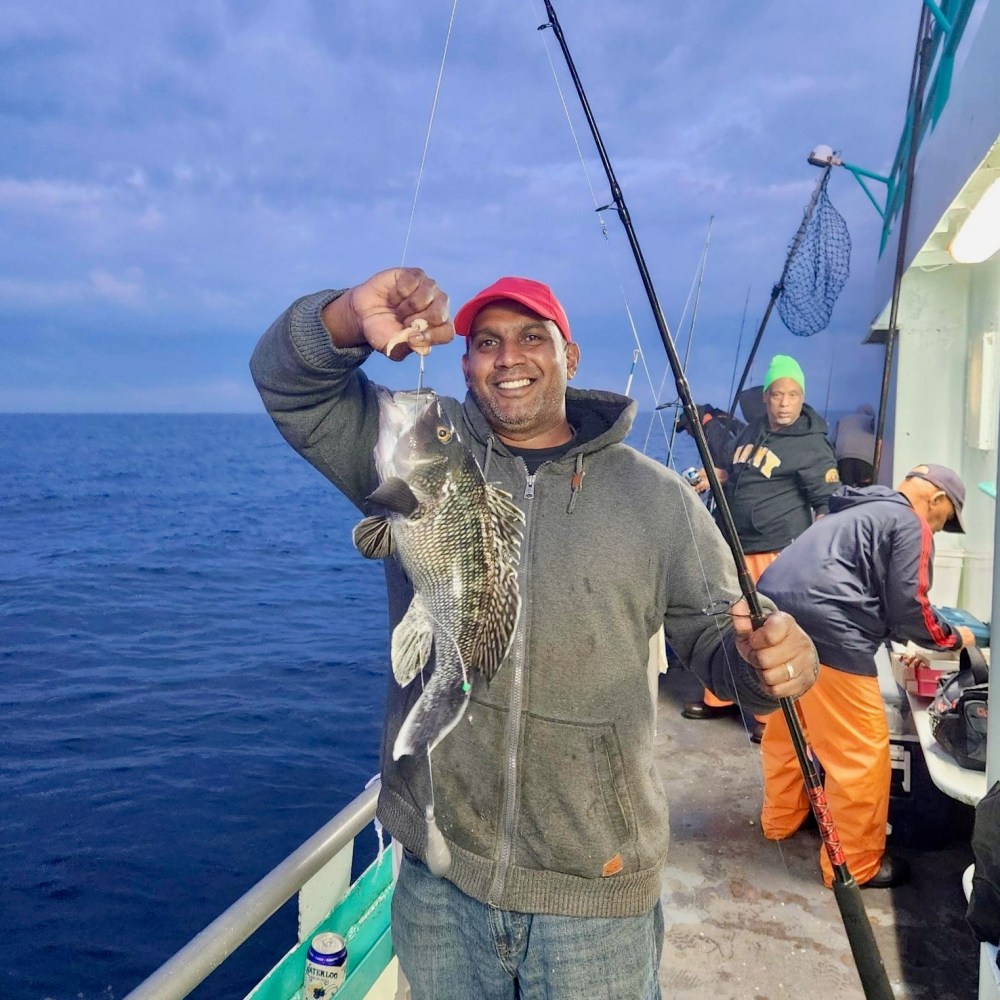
<point>398,414</point>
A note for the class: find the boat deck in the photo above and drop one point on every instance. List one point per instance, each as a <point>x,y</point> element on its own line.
<point>748,918</point>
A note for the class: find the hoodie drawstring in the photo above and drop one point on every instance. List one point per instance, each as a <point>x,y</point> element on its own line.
<point>576,483</point>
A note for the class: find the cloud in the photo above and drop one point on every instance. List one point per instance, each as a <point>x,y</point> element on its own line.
<point>203,164</point>
<point>43,195</point>
<point>125,290</point>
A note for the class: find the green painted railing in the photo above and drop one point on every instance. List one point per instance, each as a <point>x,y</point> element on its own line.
<point>181,973</point>
<point>362,919</point>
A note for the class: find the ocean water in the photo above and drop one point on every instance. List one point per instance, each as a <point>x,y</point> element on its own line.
<point>192,668</point>
<point>191,680</point>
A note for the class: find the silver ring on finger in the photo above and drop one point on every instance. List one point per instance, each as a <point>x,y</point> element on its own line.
<point>791,671</point>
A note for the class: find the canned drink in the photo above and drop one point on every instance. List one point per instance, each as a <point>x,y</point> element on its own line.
<point>326,966</point>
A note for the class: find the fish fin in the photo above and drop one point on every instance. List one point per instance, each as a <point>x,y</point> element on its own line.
<point>498,617</point>
<point>373,537</point>
<point>434,714</point>
<point>395,495</point>
<point>411,642</point>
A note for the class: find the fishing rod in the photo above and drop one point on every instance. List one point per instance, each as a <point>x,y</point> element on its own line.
<point>739,340</point>
<point>779,286</point>
<point>860,936</point>
<point>690,339</point>
<point>918,81</point>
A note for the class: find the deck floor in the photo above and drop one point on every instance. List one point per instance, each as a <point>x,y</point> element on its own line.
<point>749,919</point>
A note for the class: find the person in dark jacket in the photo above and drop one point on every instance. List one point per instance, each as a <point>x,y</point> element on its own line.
<point>780,472</point>
<point>854,580</point>
<point>719,428</point>
<point>854,446</point>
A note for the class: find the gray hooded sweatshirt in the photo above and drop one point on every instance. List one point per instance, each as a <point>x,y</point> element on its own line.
<point>547,790</point>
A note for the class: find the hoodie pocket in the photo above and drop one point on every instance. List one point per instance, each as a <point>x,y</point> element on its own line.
<point>576,815</point>
<point>469,771</point>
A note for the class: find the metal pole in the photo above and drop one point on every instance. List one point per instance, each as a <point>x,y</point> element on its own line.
<point>860,936</point>
<point>918,80</point>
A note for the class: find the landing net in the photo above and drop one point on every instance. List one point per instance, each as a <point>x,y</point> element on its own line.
<point>816,271</point>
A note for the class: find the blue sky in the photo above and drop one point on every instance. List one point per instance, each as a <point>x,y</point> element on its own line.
<point>173,175</point>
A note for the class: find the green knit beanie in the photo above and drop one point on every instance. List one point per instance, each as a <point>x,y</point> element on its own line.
<point>783,366</point>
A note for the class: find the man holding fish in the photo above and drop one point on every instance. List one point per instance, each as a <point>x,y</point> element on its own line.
<point>531,560</point>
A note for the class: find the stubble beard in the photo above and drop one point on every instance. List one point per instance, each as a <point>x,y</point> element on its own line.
<point>517,416</point>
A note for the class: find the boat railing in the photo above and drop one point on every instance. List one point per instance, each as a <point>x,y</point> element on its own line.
<point>190,966</point>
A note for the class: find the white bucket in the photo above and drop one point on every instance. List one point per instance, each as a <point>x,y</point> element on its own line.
<point>977,585</point>
<point>947,578</point>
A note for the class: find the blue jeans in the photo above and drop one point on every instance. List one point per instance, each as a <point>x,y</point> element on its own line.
<point>452,947</point>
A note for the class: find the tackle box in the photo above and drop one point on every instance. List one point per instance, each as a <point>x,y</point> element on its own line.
<point>956,617</point>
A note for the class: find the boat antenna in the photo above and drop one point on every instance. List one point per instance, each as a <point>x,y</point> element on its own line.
<point>847,892</point>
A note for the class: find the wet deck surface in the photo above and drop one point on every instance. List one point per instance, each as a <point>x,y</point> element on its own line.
<point>749,919</point>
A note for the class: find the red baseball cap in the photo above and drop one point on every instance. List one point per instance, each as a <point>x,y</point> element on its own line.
<point>533,294</point>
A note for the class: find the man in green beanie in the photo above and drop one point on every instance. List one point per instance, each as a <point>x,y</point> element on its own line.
<point>780,474</point>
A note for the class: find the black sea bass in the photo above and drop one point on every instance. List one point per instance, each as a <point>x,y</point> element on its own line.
<point>459,539</point>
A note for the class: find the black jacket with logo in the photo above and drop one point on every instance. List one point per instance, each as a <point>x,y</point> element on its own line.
<point>778,478</point>
<point>861,576</point>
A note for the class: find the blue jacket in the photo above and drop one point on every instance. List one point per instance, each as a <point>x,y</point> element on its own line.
<point>860,576</point>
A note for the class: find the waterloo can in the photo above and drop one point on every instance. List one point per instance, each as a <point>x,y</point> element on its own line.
<point>326,966</point>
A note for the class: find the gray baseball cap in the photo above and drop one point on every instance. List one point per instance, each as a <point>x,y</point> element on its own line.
<point>944,479</point>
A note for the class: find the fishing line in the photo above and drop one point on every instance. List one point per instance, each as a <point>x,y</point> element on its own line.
<point>427,136</point>
<point>640,355</point>
<point>690,339</point>
<point>724,607</point>
<point>829,381</point>
<point>716,609</point>
<point>691,292</point>
<point>604,230</point>
<point>847,893</point>
<point>423,161</point>
<point>658,394</point>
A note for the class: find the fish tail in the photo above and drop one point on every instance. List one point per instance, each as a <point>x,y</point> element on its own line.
<point>434,714</point>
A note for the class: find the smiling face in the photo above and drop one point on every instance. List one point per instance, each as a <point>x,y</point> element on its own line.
<point>783,398</point>
<point>516,367</point>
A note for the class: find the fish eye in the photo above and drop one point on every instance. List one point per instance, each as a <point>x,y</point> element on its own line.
<point>443,434</point>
